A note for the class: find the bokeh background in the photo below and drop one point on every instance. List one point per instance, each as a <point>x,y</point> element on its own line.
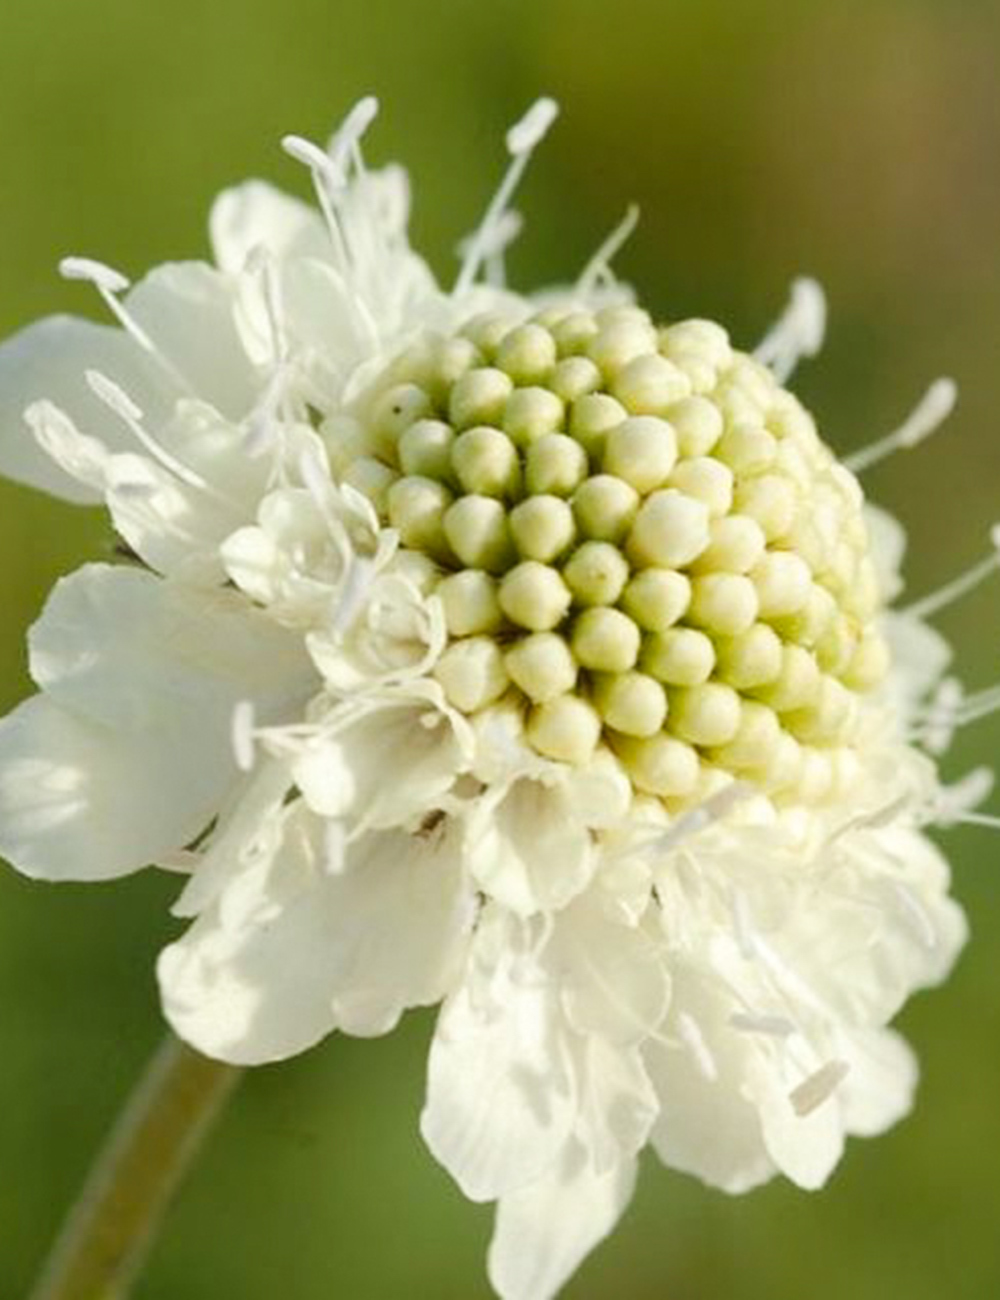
<point>858,141</point>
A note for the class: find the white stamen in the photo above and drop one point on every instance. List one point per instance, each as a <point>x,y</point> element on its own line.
<point>599,266</point>
<point>812,1092</point>
<point>312,156</point>
<point>522,139</point>
<point>958,800</point>
<point>930,413</point>
<point>348,135</point>
<point>505,231</point>
<point>242,735</point>
<point>109,283</point>
<point>526,134</point>
<point>113,396</point>
<point>751,1022</point>
<point>118,401</point>
<point>988,820</point>
<point>694,1039</point>
<point>960,586</point>
<point>713,809</point>
<point>328,180</point>
<point>798,332</point>
<point>104,277</point>
<point>743,923</point>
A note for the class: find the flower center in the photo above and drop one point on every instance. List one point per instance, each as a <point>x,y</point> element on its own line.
<point>638,534</point>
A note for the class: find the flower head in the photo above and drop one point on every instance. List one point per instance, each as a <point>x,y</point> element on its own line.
<point>511,652</point>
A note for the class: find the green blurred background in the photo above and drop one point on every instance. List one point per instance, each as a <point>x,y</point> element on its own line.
<point>858,141</point>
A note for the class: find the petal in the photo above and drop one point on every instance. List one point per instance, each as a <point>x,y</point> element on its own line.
<point>128,755</point>
<point>499,1106</point>
<point>187,311</point>
<point>129,650</point>
<point>256,215</point>
<point>48,362</point>
<point>878,1091</point>
<point>388,766</point>
<point>82,801</point>
<point>526,851</point>
<point>544,1231</point>
<point>618,1104</point>
<point>292,951</point>
<point>706,1126</point>
<point>612,977</point>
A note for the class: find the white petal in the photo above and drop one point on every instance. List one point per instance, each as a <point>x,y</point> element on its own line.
<point>47,361</point>
<point>499,1107</point>
<point>256,215</point>
<point>805,1143</point>
<point>83,801</point>
<point>132,651</point>
<point>527,852</point>
<point>290,951</point>
<point>544,1231</point>
<point>128,755</point>
<point>187,311</point>
<point>706,1125</point>
<point>392,764</point>
<point>612,978</point>
<point>618,1104</point>
<point>878,1091</point>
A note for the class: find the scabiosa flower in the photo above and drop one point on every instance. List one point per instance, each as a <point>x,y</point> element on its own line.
<point>509,652</point>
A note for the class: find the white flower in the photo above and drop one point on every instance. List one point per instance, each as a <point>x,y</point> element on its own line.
<point>500,651</point>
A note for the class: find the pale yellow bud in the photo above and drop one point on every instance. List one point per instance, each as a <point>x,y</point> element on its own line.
<point>631,703</point>
<point>470,602</point>
<point>725,604</point>
<point>649,385</point>
<point>656,598</point>
<point>605,508</point>
<point>485,461</point>
<point>660,765</point>
<point>527,354</point>
<point>707,480</point>
<point>479,397</point>
<point>596,573</point>
<point>477,531</point>
<point>555,464</point>
<point>530,413</point>
<point>542,528</point>
<point>642,450</point>
<point>472,673</point>
<point>679,656</point>
<point>670,530</point>
<point>566,729</point>
<point>706,715</point>
<point>606,640</point>
<point>416,510</point>
<point>425,449</point>
<point>542,666</point>
<point>534,596</point>
<point>697,423</point>
<point>574,377</point>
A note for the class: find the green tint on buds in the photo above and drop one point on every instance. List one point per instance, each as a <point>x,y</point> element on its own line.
<point>637,538</point>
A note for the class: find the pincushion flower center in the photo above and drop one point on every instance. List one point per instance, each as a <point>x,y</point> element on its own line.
<point>637,534</point>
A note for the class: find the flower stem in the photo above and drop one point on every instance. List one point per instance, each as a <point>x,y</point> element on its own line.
<point>111,1228</point>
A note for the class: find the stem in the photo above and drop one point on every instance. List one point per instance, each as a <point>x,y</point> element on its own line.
<point>111,1228</point>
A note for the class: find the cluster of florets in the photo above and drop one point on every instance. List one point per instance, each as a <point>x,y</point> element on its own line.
<point>637,533</point>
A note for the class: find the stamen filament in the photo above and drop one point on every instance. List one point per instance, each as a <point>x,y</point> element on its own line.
<point>930,413</point>
<point>522,139</point>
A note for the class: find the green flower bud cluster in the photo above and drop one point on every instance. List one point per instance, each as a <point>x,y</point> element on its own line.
<point>638,533</point>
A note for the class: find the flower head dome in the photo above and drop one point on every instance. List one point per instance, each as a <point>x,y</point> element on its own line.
<point>518,653</point>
